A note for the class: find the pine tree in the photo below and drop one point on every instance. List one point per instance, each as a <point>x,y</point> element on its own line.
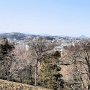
<point>5,58</point>
<point>50,76</point>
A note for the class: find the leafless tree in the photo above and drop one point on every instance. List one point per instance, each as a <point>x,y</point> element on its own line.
<point>76,56</point>
<point>86,56</point>
<point>39,47</point>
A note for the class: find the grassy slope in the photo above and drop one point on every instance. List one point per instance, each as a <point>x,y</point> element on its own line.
<point>8,85</point>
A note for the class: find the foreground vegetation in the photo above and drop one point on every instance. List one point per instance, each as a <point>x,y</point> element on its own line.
<point>38,64</point>
<point>7,85</point>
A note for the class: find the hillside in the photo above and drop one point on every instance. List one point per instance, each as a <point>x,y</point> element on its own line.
<point>23,36</point>
<point>44,63</point>
<point>8,85</point>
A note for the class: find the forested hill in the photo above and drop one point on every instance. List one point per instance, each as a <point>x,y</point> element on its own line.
<point>23,36</point>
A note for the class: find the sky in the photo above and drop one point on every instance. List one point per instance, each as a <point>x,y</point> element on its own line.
<point>50,17</point>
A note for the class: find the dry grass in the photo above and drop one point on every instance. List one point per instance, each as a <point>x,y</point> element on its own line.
<point>7,85</point>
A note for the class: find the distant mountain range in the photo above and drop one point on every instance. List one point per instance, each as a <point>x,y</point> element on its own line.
<point>22,36</point>
<point>83,37</point>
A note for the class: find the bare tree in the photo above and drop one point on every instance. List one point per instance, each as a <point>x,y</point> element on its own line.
<point>76,57</point>
<point>81,55</point>
<point>39,47</point>
<point>86,53</point>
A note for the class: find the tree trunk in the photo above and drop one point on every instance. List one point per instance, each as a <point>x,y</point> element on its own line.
<point>35,74</point>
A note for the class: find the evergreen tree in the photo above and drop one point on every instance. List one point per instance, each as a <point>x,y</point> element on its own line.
<point>6,58</point>
<point>50,74</point>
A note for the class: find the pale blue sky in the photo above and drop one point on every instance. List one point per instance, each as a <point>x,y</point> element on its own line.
<point>54,17</point>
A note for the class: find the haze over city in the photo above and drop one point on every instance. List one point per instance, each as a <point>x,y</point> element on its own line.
<point>51,17</point>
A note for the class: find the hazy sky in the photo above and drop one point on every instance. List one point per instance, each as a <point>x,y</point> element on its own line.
<point>54,17</point>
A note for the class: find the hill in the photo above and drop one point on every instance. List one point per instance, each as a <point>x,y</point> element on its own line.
<point>23,36</point>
